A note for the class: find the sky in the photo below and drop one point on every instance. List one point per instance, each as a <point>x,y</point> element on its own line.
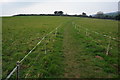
<point>13,7</point>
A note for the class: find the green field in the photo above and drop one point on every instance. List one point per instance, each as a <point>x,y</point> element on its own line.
<point>76,49</point>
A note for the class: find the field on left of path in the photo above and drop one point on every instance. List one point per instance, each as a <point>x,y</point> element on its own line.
<point>21,34</point>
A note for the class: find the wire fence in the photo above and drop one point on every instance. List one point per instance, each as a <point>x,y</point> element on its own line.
<point>87,32</point>
<point>16,68</point>
<point>86,29</point>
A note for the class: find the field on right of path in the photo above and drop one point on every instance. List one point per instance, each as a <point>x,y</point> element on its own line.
<point>97,41</point>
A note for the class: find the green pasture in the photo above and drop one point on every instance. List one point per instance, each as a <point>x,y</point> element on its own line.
<point>74,50</point>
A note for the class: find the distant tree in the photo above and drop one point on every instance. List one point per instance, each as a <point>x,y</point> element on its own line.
<point>66,14</point>
<point>58,12</point>
<point>55,12</point>
<point>84,14</point>
<point>90,16</point>
<point>100,14</point>
<point>106,16</point>
<point>117,17</point>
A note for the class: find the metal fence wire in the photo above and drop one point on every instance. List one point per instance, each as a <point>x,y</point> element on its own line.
<point>17,67</point>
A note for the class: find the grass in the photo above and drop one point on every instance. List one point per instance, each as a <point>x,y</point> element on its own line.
<point>95,45</point>
<point>21,34</point>
<point>67,53</point>
<point>0,47</point>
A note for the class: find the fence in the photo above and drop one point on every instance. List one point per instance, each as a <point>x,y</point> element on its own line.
<point>87,32</point>
<point>16,68</point>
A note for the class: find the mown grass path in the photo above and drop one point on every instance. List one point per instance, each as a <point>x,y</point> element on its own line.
<point>70,50</point>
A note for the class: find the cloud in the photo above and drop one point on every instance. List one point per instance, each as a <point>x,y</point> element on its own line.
<point>70,7</point>
<point>13,8</point>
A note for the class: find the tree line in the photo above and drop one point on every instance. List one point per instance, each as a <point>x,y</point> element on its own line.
<point>99,15</point>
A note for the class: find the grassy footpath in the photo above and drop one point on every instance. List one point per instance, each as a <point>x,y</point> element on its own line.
<point>70,50</point>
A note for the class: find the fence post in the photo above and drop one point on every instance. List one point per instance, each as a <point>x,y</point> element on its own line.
<point>45,48</point>
<point>56,32</point>
<point>108,47</point>
<point>18,66</point>
<point>75,26</point>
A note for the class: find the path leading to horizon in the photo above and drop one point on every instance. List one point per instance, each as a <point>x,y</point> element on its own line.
<point>70,50</point>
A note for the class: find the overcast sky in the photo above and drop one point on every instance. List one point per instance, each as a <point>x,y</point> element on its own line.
<point>12,7</point>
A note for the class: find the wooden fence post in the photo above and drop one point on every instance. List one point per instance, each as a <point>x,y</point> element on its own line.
<point>56,32</point>
<point>45,48</point>
<point>108,47</point>
<point>18,66</point>
<point>75,26</point>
